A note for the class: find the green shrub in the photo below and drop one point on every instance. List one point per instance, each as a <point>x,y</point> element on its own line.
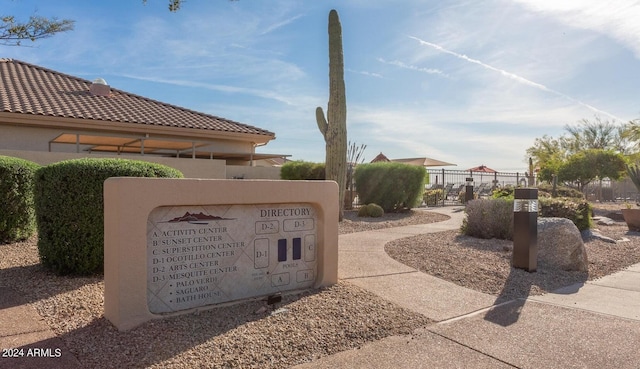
<point>363,211</point>
<point>375,210</point>
<point>70,210</point>
<point>561,191</point>
<point>578,211</point>
<point>489,218</point>
<point>503,193</point>
<point>433,197</point>
<point>302,170</point>
<point>493,218</point>
<point>394,186</point>
<point>17,213</point>
<point>371,210</point>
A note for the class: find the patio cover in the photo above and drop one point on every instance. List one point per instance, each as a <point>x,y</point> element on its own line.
<point>141,145</point>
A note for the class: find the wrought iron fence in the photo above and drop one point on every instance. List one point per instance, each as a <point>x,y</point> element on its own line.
<point>453,183</point>
<point>610,191</point>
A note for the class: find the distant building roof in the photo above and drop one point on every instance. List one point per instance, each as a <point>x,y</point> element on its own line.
<point>29,89</point>
<point>380,157</point>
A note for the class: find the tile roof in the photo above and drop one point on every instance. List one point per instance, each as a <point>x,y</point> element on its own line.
<point>30,89</point>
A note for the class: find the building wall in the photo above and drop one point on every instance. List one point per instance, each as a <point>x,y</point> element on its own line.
<point>32,143</point>
<point>191,168</point>
<point>37,139</point>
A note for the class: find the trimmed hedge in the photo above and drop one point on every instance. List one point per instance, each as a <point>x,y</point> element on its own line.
<point>70,210</point>
<point>394,186</point>
<point>302,170</point>
<point>17,213</point>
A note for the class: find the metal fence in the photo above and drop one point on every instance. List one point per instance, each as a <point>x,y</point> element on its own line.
<point>454,182</point>
<point>610,191</point>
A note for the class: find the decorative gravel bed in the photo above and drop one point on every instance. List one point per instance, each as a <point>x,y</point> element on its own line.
<point>252,334</point>
<point>484,265</point>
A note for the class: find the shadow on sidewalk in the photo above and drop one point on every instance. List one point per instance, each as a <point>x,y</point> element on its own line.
<point>520,284</point>
<point>507,310</point>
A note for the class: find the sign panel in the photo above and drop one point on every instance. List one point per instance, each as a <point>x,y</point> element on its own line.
<point>203,255</point>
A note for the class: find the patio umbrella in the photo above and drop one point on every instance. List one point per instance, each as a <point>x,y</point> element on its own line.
<point>425,162</point>
<point>481,169</point>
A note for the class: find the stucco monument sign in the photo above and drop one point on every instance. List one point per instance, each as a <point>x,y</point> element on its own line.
<point>173,246</point>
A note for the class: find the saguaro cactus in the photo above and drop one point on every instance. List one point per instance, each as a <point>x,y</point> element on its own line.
<point>334,126</point>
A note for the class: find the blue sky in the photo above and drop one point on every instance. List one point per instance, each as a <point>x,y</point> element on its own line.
<point>468,82</point>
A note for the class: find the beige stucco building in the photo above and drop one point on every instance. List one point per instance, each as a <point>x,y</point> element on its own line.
<point>48,116</point>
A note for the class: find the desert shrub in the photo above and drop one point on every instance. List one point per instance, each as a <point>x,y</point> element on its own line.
<point>375,210</point>
<point>489,218</point>
<point>578,211</point>
<point>506,192</point>
<point>17,213</point>
<point>371,210</point>
<point>561,191</point>
<point>393,186</point>
<point>433,197</point>
<point>462,196</point>
<point>302,170</point>
<point>363,211</point>
<point>70,210</point>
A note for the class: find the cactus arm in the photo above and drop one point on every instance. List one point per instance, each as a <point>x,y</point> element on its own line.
<point>322,121</point>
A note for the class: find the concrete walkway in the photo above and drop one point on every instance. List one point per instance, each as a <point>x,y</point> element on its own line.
<point>592,325</point>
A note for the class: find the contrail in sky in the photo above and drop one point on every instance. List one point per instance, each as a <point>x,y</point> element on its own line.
<point>513,76</point>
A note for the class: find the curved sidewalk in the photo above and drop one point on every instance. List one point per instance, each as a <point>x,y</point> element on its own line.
<point>591,325</point>
<point>363,262</point>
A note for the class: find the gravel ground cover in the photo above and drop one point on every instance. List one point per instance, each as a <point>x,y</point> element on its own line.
<point>484,265</point>
<point>252,334</point>
<point>303,326</point>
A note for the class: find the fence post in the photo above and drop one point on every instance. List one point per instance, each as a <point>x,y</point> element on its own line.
<point>443,187</point>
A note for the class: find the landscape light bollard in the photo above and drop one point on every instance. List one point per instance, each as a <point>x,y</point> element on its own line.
<point>525,229</point>
<point>468,194</point>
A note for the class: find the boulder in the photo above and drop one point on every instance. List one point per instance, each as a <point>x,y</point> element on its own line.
<point>594,234</point>
<point>605,221</point>
<point>560,244</point>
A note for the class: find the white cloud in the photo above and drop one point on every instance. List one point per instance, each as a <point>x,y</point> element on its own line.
<point>617,19</point>
<point>400,64</point>
<point>365,73</point>
<point>280,24</point>
<point>513,76</point>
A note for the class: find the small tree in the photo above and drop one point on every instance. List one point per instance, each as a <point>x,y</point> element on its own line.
<point>585,166</point>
